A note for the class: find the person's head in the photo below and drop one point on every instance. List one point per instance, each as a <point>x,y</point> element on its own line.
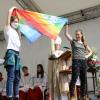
<point>25,70</point>
<point>80,36</point>
<point>40,70</point>
<point>58,43</point>
<point>14,22</point>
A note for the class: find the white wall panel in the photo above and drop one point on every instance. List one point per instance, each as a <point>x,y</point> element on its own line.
<point>5,5</point>
<point>33,54</point>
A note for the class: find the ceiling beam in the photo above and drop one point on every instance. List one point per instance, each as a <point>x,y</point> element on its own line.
<point>30,5</point>
<point>36,6</point>
<point>83,15</point>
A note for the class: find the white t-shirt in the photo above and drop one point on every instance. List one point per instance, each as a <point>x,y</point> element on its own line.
<point>26,82</point>
<point>40,82</point>
<point>12,38</point>
<point>58,53</point>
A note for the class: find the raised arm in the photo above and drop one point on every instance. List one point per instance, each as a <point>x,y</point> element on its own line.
<point>9,16</point>
<point>68,35</point>
<point>89,52</point>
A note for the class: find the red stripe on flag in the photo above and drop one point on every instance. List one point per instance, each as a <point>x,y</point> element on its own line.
<point>35,24</point>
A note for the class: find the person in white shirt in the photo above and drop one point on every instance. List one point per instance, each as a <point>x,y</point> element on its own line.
<point>58,52</point>
<point>2,87</point>
<point>41,79</point>
<point>12,58</point>
<point>25,83</point>
<point>40,84</point>
<point>57,82</point>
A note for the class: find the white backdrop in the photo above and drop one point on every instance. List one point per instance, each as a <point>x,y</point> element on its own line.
<point>5,5</point>
<point>33,54</point>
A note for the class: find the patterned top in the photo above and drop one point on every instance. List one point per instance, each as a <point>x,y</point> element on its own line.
<point>78,50</point>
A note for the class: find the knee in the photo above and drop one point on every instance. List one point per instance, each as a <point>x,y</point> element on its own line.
<point>73,80</point>
<point>17,80</point>
<point>10,78</point>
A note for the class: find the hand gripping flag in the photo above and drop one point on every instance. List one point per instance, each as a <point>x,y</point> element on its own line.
<point>33,25</point>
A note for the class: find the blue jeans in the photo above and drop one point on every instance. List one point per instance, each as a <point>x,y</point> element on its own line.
<point>12,65</point>
<point>13,79</point>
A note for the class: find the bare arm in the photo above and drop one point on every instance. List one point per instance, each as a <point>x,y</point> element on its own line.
<point>9,16</point>
<point>89,52</point>
<point>68,35</point>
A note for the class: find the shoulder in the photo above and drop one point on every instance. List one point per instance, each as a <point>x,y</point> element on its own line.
<point>7,28</point>
<point>73,41</point>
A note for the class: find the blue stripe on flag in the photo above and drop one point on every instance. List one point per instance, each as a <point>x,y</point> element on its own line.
<point>29,32</point>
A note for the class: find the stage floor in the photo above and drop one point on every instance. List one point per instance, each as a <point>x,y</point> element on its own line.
<point>91,96</point>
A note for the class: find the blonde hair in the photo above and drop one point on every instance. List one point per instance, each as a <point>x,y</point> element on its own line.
<point>83,38</point>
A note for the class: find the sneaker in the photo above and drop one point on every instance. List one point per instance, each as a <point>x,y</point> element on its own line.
<point>85,98</point>
<point>10,98</point>
<point>72,98</point>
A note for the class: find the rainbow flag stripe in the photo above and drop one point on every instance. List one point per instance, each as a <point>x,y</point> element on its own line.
<point>33,25</point>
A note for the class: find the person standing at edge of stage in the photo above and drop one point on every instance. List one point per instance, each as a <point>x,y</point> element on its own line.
<point>80,51</point>
<point>12,58</point>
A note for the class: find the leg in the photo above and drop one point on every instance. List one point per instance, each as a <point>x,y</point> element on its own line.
<point>83,79</point>
<point>4,98</point>
<point>75,74</point>
<point>45,94</point>
<point>16,83</point>
<point>22,95</point>
<point>38,95</point>
<point>35,94</point>
<point>10,80</point>
<point>0,96</point>
<point>30,94</point>
<point>93,77</point>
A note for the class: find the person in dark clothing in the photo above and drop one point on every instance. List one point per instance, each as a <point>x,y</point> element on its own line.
<point>80,51</point>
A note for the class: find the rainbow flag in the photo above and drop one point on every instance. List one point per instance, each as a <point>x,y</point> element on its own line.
<point>33,25</point>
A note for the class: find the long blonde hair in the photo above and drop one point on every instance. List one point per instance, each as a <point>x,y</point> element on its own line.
<point>83,38</point>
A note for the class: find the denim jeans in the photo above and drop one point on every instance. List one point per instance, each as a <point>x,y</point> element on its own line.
<point>13,79</point>
<point>79,68</point>
<point>12,65</point>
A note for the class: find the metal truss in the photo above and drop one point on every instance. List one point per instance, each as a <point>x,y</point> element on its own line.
<point>83,15</point>
<point>29,4</point>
